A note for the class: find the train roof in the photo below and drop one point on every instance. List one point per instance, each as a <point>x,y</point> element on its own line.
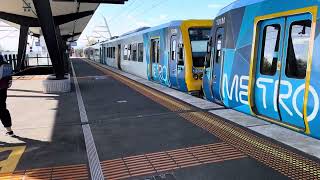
<point>238,4</point>
<point>126,35</point>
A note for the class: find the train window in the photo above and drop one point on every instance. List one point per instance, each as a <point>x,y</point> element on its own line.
<point>113,52</point>
<point>174,49</point>
<point>298,49</point>
<point>129,52</point>
<point>158,51</point>
<point>125,52</point>
<point>134,52</point>
<point>140,52</point>
<point>199,38</point>
<point>270,49</point>
<point>218,53</point>
<point>155,50</point>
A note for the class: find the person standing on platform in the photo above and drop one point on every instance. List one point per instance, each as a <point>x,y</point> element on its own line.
<point>5,83</point>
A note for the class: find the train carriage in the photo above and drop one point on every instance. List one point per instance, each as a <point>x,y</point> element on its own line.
<point>263,60</point>
<point>172,54</point>
<point>94,53</point>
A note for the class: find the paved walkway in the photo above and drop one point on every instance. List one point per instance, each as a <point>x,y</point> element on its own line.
<point>138,133</point>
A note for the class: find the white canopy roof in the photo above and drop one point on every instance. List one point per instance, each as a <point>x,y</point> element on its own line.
<point>59,7</point>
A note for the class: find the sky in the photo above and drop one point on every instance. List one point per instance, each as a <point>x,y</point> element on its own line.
<point>139,13</point>
<point>132,15</point>
<point>9,37</point>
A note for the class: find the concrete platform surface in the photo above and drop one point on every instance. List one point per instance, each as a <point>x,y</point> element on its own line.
<point>293,139</point>
<point>138,133</point>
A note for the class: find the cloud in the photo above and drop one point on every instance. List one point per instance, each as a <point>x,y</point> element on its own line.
<point>214,6</point>
<point>163,16</point>
<point>138,23</point>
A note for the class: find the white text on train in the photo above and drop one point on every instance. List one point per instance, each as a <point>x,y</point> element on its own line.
<point>239,90</point>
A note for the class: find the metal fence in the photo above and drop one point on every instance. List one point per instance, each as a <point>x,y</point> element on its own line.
<point>31,61</point>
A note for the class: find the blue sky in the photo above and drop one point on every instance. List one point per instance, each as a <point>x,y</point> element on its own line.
<point>138,13</point>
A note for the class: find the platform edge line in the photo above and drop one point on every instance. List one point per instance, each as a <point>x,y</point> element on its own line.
<point>92,154</point>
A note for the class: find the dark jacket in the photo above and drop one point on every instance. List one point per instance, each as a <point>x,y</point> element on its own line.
<point>5,82</point>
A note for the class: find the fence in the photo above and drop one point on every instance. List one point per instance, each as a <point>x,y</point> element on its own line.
<point>31,61</point>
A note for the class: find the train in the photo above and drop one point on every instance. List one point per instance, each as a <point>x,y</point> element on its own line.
<point>171,54</point>
<point>260,58</point>
<point>93,52</point>
<point>263,59</point>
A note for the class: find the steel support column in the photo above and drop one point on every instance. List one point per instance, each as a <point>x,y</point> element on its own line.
<point>22,48</point>
<point>46,21</point>
<point>63,48</point>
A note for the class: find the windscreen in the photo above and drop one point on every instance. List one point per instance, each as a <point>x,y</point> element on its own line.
<point>199,38</point>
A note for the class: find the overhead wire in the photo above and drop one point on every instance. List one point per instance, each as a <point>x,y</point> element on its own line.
<point>145,9</point>
<point>162,2</point>
<point>126,11</point>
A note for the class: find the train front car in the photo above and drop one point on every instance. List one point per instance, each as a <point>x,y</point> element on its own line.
<point>195,35</point>
<point>264,60</point>
<point>175,53</point>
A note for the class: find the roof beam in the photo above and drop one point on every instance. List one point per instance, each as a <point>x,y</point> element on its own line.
<point>66,37</point>
<point>18,19</point>
<point>33,22</point>
<point>62,19</point>
<point>95,1</point>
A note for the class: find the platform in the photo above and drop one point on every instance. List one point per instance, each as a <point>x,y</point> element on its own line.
<point>141,130</point>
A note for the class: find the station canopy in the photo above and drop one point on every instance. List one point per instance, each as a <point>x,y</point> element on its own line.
<point>71,16</point>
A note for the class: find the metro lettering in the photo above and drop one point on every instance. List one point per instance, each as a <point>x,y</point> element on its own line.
<point>239,90</point>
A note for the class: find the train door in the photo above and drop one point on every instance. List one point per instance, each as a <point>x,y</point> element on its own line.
<point>217,67</point>
<point>103,55</point>
<point>173,62</point>
<point>155,59</point>
<point>119,56</point>
<point>281,68</point>
<point>100,54</point>
<point>207,75</point>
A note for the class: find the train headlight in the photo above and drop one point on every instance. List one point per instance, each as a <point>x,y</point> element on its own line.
<point>195,76</point>
<point>201,76</point>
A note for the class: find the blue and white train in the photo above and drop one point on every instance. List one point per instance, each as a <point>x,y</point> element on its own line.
<point>264,60</point>
<point>172,54</point>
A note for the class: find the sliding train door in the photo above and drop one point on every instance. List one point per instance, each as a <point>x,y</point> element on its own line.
<point>173,59</point>
<point>217,61</point>
<point>155,59</point>
<point>268,67</point>
<point>294,68</point>
<point>281,68</point>
<point>119,56</point>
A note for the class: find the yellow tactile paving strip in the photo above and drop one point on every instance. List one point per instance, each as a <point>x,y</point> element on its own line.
<point>30,77</point>
<point>133,166</point>
<point>73,172</point>
<point>41,77</point>
<point>265,151</point>
<point>92,77</point>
